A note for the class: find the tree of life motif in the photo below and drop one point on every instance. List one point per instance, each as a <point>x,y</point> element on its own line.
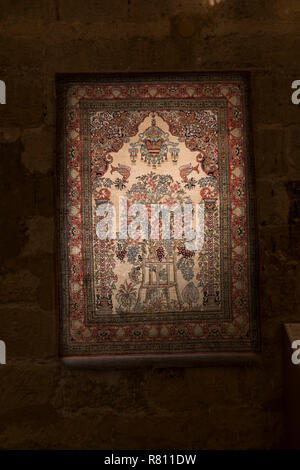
<point>155,261</point>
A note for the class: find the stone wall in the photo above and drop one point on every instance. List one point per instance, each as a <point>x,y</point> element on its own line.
<point>43,404</point>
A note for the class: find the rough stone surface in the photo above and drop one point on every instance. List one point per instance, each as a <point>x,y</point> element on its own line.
<point>43,404</point>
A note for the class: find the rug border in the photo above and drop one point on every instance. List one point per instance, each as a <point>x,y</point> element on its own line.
<point>181,360</point>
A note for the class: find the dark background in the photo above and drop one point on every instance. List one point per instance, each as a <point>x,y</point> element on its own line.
<point>43,404</point>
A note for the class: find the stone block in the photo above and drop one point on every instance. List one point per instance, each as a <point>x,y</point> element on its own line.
<point>20,286</point>
<point>27,10</point>
<point>38,152</point>
<point>92,11</point>
<point>28,331</point>
<point>25,106</point>
<point>271,97</point>
<point>40,234</point>
<point>268,152</point>
<point>272,203</point>
<point>292,150</point>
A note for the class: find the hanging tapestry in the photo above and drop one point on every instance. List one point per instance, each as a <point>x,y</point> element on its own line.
<point>156,218</point>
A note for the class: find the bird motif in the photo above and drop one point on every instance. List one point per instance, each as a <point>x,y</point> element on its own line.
<point>185,170</point>
<point>123,170</point>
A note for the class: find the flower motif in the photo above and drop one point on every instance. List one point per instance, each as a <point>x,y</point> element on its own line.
<point>126,294</point>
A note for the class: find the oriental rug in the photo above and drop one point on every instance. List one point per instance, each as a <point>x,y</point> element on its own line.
<point>156,217</point>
